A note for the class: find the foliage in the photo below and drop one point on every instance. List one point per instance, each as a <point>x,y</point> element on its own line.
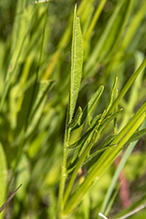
<point>72,98</point>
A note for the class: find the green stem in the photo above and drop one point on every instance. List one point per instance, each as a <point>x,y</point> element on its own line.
<point>63,171</point>
<point>79,163</point>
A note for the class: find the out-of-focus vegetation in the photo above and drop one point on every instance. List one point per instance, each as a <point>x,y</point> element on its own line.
<point>35,66</point>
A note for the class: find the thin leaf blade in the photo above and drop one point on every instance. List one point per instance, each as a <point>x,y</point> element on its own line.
<point>76,65</point>
<point>87,110</point>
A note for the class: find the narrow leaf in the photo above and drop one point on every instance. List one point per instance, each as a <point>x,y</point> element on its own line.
<point>76,65</point>
<point>137,135</point>
<point>76,118</point>
<point>97,153</point>
<point>110,118</point>
<point>85,136</point>
<point>87,110</point>
<point>82,143</point>
<point>112,94</point>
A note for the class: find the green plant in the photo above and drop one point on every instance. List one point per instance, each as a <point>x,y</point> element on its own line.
<point>37,89</point>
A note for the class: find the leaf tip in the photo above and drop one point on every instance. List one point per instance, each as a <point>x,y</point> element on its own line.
<point>75,10</point>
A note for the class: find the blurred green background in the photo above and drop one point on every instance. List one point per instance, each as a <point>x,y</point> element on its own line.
<point>35,54</point>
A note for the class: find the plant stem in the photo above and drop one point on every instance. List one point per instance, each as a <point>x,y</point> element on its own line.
<point>63,171</point>
<point>78,165</point>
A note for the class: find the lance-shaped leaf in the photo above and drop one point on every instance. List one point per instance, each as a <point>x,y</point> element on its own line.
<point>82,143</point>
<point>76,118</point>
<point>137,135</point>
<point>105,145</point>
<point>87,110</point>
<point>110,118</point>
<point>112,94</point>
<point>97,153</point>
<point>86,135</point>
<point>76,65</point>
